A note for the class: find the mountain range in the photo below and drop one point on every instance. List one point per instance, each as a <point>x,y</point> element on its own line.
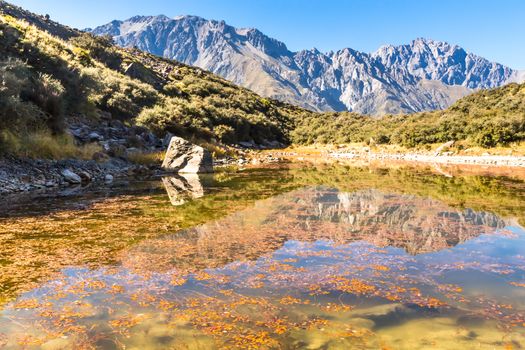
<point>420,76</point>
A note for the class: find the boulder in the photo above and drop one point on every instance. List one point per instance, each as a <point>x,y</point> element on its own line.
<point>184,157</point>
<point>138,71</point>
<point>71,177</point>
<point>167,139</point>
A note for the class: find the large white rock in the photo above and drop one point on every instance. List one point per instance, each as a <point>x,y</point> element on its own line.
<point>184,157</point>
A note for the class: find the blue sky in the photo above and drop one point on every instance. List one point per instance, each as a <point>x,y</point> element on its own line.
<point>494,29</point>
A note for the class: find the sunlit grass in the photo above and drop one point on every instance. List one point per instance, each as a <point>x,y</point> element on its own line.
<point>44,145</point>
<point>147,158</point>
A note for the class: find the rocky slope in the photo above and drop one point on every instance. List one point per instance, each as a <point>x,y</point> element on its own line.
<point>423,75</point>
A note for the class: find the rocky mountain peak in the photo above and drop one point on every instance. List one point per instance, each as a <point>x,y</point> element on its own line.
<point>424,74</point>
<point>270,46</point>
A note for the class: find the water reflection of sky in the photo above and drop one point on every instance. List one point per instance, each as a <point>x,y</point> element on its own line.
<point>471,279</point>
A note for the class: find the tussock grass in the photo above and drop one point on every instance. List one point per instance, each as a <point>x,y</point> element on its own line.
<point>44,145</point>
<point>218,150</point>
<point>147,158</point>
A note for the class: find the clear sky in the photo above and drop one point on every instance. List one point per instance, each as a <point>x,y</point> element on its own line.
<point>494,29</point>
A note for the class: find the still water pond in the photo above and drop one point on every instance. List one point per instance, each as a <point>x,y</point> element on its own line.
<point>326,257</point>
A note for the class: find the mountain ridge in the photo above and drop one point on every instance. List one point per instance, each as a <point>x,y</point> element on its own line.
<point>390,80</point>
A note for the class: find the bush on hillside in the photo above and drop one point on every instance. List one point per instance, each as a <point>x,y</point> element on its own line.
<point>487,118</point>
<point>100,48</point>
<point>29,101</point>
<point>118,94</point>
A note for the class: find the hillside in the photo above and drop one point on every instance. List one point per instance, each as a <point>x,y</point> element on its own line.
<point>51,83</point>
<point>53,76</point>
<point>486,118</point>
<point>420,76</point>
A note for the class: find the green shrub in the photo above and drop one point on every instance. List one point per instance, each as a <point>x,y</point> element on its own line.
<point>100,48</point>
<point>116,93</point>
<point>47,93</point>
<point>225,133</point>
<point>487,118</point>
<point>29,101</point>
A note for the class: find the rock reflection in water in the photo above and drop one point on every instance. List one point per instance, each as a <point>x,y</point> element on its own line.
<point>183,187</point>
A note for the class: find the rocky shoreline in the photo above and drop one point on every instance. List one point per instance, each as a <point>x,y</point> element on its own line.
<point>25,175</point>
<point>116,141</point>
<point>483,160</point>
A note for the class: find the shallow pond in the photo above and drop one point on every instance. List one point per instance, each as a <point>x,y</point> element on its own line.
<point>304,257</point>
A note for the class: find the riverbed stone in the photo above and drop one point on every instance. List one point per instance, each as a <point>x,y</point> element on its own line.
<point>94,136</point>
<point>71,177</point>
<point>56,344</point>
<point>184,157</point>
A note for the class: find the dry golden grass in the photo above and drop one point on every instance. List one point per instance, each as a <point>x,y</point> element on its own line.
<point>513,149</point>
<point>147,158</point>
<point>217,150</point>
<point>44,145</point>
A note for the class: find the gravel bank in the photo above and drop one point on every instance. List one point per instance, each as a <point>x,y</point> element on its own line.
<point>486,160</point>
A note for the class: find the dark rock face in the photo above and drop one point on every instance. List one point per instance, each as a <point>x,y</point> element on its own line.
<point>184,157</point>
<point>423,75</point>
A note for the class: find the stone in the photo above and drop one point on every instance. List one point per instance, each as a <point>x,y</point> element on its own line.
<point>85,176</point>
<point>184,157</point>
<point>56,344</point>
<point>95,137</point>
<point>138,71</point>
<point>246,144</point>
<point>71,177</point>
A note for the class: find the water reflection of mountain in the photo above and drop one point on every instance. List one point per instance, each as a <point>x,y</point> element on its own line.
<point>418,225</point>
